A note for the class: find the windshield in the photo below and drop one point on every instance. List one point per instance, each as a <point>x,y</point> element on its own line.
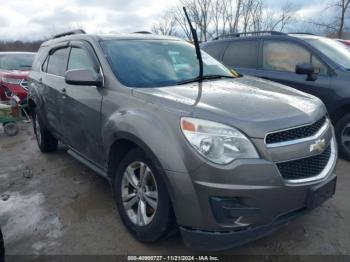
<point>335,50</point>
<point>16,61</point>
<point>156,63</point>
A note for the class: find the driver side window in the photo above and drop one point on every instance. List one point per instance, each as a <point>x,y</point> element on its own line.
<point>81,59</point>
<point>284,56</point>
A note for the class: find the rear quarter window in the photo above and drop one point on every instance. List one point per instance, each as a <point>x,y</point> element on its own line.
<point>40,58</point>
<point>242,54</point>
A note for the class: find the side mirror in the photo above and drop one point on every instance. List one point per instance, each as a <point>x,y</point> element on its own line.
<point>306,69</point>
<point>84,77</point>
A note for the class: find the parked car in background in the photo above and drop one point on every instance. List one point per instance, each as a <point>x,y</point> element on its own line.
<point>226,159</point>
<point>14,70</point>
<point>346,42</point>
<point>316,65</point>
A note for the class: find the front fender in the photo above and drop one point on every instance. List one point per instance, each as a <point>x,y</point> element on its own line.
<point>159,132</point>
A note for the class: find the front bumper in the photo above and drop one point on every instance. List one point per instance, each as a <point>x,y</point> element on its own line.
<point>221,240</point>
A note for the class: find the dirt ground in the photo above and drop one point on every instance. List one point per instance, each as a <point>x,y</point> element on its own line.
<point>51,204</point>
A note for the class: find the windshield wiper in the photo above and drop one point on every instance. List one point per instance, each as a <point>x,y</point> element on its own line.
<point>205,77</point>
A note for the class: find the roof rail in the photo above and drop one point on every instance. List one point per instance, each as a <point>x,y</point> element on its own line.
<point>73,32</point>
<point>256,33</point>
<point>143,32</point>
<point>300,33</point>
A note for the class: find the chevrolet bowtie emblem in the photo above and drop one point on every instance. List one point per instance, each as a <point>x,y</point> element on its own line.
<point>319,146</point>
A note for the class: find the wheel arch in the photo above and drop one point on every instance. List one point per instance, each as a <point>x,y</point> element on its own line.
<point>31,105</point>
<point>341,111</point>
<point>123,143</point>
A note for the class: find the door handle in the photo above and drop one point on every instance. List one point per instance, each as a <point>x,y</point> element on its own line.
<point>63,90</point>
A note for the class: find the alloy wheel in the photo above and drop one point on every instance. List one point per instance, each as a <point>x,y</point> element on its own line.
<point>139,193</point>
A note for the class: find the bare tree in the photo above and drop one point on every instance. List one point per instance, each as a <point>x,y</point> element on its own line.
<point>278,21</point>
<point>215,17</point>
<point>344,7</point>
<point>341,10</point>
<point>166,25</point>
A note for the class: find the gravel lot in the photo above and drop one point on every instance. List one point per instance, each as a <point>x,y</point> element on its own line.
<point>51,204</point>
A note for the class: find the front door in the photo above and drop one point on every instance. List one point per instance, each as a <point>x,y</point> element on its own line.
<point>82,106</point>
<point>51,84</point>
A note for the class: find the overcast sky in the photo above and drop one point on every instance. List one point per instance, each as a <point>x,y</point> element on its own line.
<point>38,19</point>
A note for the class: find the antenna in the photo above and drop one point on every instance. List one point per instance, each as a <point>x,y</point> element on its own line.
<point>196,44</point>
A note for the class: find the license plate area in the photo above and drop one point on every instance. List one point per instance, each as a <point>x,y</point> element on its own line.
<point>320,193</point>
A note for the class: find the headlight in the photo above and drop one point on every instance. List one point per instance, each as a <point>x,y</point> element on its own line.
<point>13,81</point>
<point>218,143</point>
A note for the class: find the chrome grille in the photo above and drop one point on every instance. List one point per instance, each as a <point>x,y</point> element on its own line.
<point>305,168</point>
<point>296,133</point>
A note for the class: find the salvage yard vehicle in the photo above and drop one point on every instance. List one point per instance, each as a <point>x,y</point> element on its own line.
<point>12,112</point>
<point>345,42</point>
<point>14,71</point>
<point>184,143</point>
<point>316,65</point>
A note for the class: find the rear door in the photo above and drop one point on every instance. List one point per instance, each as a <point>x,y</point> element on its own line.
<point>52,83</point>
<point>82,105</point>
<point>279,59</point>
<point>242,55</point>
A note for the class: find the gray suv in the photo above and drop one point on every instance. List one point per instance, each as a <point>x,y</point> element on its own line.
<point>226,160</point>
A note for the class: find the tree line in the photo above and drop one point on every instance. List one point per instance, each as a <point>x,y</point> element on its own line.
<point>19,46</point>
<point>213,18</point>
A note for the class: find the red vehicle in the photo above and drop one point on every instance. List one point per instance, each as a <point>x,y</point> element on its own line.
<point>14,70</point>
<point>346,42</point>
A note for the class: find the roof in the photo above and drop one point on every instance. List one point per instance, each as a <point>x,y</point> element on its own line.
<point>95,37</point>
<point>17,53</point>
<point>263,35</point>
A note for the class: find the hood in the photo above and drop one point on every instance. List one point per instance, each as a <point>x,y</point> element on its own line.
<point>22,74</point>
<point>253,105</point>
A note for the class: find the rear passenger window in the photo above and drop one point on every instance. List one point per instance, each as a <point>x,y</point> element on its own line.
<point>242,54</point>
<point>215,50</point>
<point>57,62</point>
<point>80,59</point>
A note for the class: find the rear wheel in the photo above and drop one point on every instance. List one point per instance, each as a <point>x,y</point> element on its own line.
<point>343,136</point>
<point>46,141</point>
<point>142,199</point>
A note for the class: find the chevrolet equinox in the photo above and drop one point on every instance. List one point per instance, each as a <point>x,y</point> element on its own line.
<point>225,160</point>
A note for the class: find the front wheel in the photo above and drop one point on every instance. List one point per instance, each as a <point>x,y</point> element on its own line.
<point>46,141</point>
<point>342,129</point>
<point>142,199</point>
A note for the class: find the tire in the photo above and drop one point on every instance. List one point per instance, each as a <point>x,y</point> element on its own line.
<point>158,222</point>
<point>342,130</point>
<point>2,248</point>
<point>11,129</point>
<point>46,141</point>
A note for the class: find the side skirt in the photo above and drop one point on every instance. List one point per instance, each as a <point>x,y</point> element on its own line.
<point>90,164</point>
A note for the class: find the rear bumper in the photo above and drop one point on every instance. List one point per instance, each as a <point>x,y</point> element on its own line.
<point>221,240</point>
